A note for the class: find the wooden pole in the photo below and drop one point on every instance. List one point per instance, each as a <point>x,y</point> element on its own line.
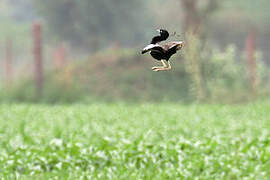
<point>251,61</point>
<point>8,62</point>
<point>37,51</point>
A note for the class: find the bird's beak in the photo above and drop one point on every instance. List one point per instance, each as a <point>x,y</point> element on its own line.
<point>158,30</point>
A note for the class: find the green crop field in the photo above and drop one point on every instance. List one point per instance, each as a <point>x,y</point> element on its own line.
<point>135,141</point>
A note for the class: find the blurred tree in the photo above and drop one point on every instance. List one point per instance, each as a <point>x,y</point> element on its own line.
<point>196,13</point>
<point>196,16</point>
<point>95,23</point>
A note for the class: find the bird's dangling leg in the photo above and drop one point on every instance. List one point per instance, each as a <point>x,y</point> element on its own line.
<point>160,67</point>
<point>165,67</point>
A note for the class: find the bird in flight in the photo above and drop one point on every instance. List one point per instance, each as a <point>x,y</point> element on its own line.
<point>162,52</point>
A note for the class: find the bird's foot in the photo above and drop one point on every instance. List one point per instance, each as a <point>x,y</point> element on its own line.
<point>161,69</point>
<point>156,67</point>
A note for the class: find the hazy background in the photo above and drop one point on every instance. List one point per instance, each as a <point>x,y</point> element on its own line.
<point>91,50</point>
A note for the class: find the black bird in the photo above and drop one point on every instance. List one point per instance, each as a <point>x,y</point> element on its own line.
<point>163,52</point>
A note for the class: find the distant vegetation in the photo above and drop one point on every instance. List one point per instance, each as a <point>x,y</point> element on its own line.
<point>126,75</point>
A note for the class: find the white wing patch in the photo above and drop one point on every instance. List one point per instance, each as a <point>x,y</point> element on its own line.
<point>149,47</point>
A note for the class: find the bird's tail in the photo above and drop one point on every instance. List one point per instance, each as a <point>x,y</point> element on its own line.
<point>144,51</point>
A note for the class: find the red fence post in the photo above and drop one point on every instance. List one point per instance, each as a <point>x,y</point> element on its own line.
<point>8,62</point>
<point>37,35</point>
<point>251,61</point>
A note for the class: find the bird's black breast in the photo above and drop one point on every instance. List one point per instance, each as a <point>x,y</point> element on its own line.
<point>166,54</point>
<point>170,52</point>
<point>157,55</point>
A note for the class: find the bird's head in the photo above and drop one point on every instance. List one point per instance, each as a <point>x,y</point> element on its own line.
<point>164,33</point>
<point>160,30</point>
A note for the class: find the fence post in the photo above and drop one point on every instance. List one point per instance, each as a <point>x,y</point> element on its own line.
<point>251,61</point>
<point>8,62</point>
<point>37,51</point>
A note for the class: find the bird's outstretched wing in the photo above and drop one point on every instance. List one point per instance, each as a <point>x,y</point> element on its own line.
<point>152,47</point>
<point>172,45</point>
